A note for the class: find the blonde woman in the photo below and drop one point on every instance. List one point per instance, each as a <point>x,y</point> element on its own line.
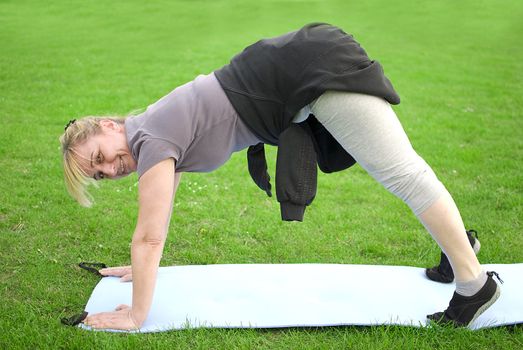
<point>315,94</point>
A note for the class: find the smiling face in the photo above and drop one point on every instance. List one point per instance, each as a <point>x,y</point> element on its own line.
<point>106,155</point>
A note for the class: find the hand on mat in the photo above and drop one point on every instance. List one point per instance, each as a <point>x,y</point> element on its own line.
<point>124,272</point>
<point>121,318</point>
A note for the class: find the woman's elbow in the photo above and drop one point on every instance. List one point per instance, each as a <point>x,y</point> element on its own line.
<point>149,239</point>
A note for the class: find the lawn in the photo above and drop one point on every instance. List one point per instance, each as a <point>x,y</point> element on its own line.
<point>457,65</point>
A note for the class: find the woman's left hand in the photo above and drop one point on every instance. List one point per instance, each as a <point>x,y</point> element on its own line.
<point>121,318</point>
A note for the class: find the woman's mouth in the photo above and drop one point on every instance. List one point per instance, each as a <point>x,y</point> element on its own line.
<point>122,167</point>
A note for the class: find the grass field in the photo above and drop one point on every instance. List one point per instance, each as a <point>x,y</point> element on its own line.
<point>458,66</point>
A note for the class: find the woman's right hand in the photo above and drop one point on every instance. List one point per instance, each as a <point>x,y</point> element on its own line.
<point>124,272</point>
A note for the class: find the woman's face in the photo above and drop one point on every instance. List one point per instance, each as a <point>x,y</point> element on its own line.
<point>106,155</point>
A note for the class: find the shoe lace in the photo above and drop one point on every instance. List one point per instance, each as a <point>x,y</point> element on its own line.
<point>494,273</point>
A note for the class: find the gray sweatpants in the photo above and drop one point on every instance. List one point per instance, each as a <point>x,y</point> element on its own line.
<point>369,130</point>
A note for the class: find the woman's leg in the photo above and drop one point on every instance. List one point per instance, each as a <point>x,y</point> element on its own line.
<point>442,218</point>
<point>368,129</point>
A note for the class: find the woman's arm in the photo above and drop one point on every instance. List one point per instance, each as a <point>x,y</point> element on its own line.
<point>156,190</point>
<point>125,272</point>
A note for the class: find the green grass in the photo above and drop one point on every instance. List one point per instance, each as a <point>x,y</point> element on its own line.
<point>458,67</point>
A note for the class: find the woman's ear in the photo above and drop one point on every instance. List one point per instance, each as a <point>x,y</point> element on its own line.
<point>109,125</point>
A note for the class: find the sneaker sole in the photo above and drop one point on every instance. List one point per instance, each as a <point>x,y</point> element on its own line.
<point>485,306</point>
<point>476,246</point>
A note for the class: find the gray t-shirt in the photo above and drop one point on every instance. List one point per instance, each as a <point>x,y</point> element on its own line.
<point>195,124</point>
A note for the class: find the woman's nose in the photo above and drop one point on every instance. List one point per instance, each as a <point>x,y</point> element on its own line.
<point>109,169</point>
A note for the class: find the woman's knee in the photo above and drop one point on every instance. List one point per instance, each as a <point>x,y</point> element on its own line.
<point>417,186</point>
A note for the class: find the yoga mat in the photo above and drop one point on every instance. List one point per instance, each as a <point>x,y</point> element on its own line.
<point>301,295</point>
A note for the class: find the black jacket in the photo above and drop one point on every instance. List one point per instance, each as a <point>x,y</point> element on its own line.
<point>271,80</point>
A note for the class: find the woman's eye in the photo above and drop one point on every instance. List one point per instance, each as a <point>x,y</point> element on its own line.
<point>99,158</point>
<point>99,176</point>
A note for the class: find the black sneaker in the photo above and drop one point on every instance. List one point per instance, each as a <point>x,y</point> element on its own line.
<point>443,272</point>
<point>462,310</point>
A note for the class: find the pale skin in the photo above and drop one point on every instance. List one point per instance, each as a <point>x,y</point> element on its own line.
<point>156,191</point>
<point>107,156</point>
<point>443,221</point>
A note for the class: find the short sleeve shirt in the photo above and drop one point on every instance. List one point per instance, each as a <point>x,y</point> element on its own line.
<point>195,124</point>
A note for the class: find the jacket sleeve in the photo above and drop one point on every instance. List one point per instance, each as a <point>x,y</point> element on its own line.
<point>258,167</point>
<point>296,171</point>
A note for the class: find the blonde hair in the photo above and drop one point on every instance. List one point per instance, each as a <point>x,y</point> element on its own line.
<point>77,132</point>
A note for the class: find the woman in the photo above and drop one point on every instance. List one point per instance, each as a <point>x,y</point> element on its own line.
<point>316,95</point>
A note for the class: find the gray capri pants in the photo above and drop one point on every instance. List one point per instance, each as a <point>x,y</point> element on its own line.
<point>369,130</point>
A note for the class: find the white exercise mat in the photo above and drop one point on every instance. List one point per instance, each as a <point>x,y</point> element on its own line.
<point>296,295</point>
